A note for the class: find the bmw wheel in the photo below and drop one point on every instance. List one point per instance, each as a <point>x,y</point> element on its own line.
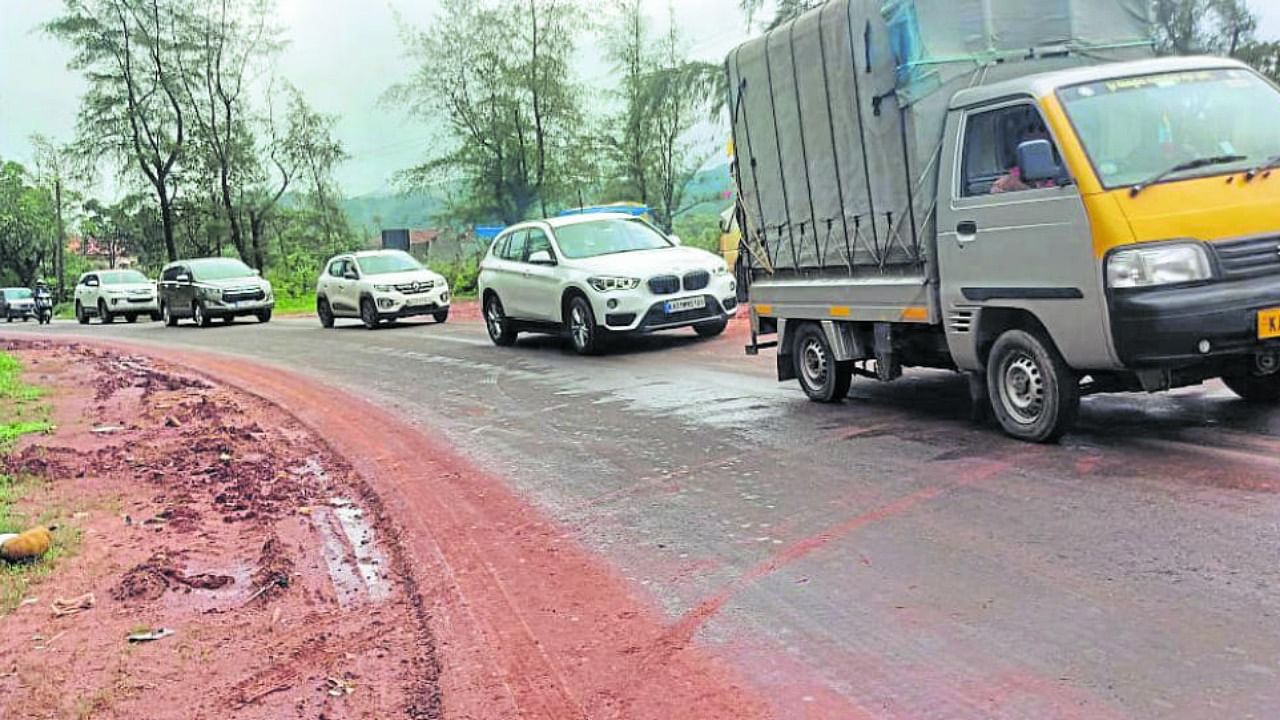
<point>501,331</point>
<point>582,327</point>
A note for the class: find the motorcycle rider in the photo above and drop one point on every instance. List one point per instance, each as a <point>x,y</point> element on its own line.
<point>44,302</point>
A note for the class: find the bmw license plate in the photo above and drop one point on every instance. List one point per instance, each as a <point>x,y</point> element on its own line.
<point>676,306</point>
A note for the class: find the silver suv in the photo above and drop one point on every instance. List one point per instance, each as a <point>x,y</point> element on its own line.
<point>379,286</point>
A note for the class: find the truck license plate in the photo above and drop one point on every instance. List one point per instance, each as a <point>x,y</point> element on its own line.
<point>1269,324</point>
<point>694,303</point>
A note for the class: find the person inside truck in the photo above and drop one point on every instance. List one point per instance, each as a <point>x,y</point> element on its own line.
<point>1012,180</point>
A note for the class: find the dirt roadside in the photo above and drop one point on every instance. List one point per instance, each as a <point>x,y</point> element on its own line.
<point>526,623</point>
<point>215,515</point>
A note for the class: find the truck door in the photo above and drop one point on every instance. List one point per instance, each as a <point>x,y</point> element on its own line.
<point>1003,243</point>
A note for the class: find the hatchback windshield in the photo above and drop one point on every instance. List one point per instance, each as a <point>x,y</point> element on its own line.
<point>1135,128</point>
<point>396,262</point>
<point>123,277</point>
<point>18,294</point>
<point>222,269</point>
<point>606,237</point>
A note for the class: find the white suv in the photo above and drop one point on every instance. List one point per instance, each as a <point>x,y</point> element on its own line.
<point>598,275</point>
<point>378,286</point>
<point>108,294</point>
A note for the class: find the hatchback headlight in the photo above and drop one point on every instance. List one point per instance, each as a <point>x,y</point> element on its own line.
<point>383,288</point>
<point>1159,265</point>
<point>609,283</point>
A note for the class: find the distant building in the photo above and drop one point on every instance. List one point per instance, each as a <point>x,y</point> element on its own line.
<point>103,254</point>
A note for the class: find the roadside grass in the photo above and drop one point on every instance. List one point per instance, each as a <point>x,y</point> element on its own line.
<point>295,304</point>
<point>23,414</point>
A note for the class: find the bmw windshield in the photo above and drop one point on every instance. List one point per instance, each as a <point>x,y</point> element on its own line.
<point>608,237</point>
<point>1141,128</point>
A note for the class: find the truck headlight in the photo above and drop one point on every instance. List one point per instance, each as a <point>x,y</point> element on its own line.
<point>1158,265</point>
<point>609,283</point>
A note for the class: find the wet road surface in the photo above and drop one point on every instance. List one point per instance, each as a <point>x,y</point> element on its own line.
<point>884,558</point>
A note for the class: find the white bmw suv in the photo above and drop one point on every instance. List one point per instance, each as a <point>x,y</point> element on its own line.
<point>379,286</point>
<point>598,275</point>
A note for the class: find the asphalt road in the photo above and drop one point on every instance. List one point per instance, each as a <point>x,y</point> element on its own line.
<point>884,558</point>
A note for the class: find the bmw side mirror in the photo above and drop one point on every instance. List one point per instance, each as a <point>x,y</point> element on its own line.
<point>1036,162</point>
<point>675,240</point>
<point>541,257</point>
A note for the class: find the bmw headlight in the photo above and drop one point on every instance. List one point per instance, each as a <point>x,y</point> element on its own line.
<point>721,269</point>
<point>609,283</point>
<point>1159,265</point>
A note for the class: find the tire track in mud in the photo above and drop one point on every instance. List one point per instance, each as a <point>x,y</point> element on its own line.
<point>516,618</point>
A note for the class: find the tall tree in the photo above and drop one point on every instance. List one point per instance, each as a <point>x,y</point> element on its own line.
<point>498,73</point>
<point>663,97</point>
<point>58,168</point>
<point>128,54</point>
<point>26,224</point>
<point>230,43</point>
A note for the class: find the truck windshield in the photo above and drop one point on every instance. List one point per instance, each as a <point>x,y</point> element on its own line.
<point>1137,128</point>
<point>607,237</point>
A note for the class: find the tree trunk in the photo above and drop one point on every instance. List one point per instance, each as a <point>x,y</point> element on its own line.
<point>166,221</point>
<point>58,264</point>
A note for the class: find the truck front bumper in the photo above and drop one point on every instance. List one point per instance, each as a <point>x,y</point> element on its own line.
<point>1180,326</point>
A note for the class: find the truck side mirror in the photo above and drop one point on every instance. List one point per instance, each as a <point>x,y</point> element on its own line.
<point>1036,162</point>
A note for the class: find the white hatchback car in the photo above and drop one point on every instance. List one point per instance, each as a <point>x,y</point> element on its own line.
<point>599,275</point>
<point>377,286</point>
<point>108,294</point>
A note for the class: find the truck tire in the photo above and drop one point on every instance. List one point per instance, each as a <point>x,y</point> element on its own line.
<point>822,378</point>
<point>1034,394</point>
<point>1255,390</point>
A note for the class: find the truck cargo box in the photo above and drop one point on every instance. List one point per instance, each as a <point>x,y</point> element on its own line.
<point>838,117</point>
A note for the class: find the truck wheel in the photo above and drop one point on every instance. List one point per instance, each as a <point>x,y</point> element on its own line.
<point>166,314</point>
<point>1264,390</point>
<point>823,379</point>
<point>1035,396</point>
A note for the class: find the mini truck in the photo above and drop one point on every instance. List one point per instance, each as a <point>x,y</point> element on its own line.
<point>1020,192</point>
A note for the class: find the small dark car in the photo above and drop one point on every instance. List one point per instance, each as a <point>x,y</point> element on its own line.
<point>17,304</point>
<point>209,288</point>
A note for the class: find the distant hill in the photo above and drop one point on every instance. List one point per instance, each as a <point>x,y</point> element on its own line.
<point>372,213</point>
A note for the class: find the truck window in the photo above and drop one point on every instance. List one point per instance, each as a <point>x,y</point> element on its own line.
<point>991,148</point>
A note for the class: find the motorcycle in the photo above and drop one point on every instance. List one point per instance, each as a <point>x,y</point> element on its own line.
<point>44,306</point>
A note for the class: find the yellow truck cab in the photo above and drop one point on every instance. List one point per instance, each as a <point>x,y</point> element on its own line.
<point>1070,219</point>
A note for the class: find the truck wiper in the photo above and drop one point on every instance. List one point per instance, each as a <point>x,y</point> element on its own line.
<point>1184,166</point>
<point>1272,163</point>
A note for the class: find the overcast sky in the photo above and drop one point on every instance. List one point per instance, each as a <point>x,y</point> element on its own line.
<point>343,54</point>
